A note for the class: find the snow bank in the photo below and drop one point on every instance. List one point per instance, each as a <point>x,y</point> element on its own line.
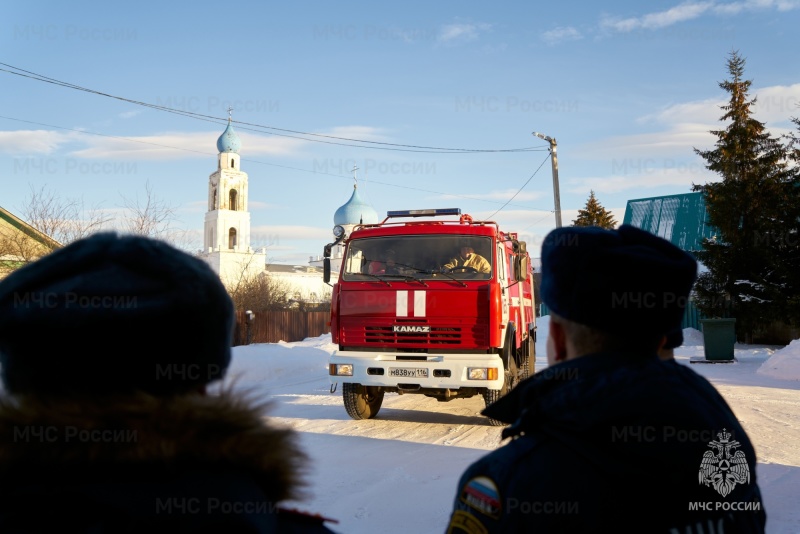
<point>784,364</point>
<point>692,337</point>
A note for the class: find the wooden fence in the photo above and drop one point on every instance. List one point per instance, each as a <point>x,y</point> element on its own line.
<point>281,325</point>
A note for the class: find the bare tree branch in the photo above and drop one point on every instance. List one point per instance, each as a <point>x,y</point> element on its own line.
<point>151,217</point>
<point>64,220</point>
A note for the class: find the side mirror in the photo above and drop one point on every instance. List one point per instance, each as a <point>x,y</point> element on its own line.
<point>338,231</point>
<point>521,268</point>
<point>520,261</point>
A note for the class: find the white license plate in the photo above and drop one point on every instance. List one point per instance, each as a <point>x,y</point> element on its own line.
<point>408,373</point>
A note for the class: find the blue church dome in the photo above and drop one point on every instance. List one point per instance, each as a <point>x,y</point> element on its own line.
<point>229,140</point>
<point>355,211</point>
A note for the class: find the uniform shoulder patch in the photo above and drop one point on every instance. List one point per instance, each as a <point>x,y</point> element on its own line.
<point>481,494</point>
<point>464,523</point>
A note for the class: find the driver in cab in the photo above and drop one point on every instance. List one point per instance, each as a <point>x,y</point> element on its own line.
<point>468,259</point>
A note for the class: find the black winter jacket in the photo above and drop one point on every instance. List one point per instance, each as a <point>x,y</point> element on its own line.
<point>145,464</point>
<point>613,442</point>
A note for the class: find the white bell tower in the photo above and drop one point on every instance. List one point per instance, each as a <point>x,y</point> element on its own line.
<point>226,231</point>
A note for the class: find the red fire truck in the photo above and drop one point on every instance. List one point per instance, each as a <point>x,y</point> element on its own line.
<point>430,302</point>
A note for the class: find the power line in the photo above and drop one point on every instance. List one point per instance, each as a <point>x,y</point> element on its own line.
<point>248,160</point>
<point>312,137</point>
<point>520,189</point>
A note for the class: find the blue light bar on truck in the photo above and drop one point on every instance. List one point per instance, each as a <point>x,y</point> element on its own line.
<point>423,213</point>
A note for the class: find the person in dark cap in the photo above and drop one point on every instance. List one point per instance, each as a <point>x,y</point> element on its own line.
<point>608,438</point>
<point>107,347</point>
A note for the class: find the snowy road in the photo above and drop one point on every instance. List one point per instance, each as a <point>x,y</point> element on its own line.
<point>398,473</point>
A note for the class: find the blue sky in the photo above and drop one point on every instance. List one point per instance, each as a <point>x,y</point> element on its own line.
<point>627,90</point>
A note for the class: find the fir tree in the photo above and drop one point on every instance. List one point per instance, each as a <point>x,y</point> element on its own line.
<point>749,261</point>
<point>595,215</point>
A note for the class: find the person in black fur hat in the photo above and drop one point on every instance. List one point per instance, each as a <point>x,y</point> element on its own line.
<point>106,347</point>
<point>609,438</point>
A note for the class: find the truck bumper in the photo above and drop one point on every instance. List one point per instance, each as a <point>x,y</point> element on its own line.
<point>448,371</point>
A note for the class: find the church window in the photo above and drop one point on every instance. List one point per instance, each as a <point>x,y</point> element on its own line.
<point>233,163</point>
<point>214,199</point>
<point>232,238</point>
<point>232,200</point>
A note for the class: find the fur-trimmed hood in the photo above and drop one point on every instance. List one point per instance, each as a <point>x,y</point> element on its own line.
<point>165,435</point>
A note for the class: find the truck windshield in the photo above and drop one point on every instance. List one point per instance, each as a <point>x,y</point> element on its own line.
<point>421,256</point>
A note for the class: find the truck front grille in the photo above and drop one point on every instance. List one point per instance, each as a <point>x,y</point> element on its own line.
<point>438,335</point>
<point>375,332</point>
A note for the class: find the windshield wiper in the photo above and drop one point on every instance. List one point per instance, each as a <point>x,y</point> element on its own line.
<point>420,280</point>
<point>407,277</point>
<point>375,276</point>
<point>450,276</point>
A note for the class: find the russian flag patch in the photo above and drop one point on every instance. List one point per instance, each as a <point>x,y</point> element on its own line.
<point>481,494</point>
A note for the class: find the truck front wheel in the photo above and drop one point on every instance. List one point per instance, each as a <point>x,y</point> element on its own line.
<point>491,396</point>
<point>362,402</point>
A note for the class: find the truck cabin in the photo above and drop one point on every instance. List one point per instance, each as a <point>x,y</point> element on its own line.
<point>429,256</point>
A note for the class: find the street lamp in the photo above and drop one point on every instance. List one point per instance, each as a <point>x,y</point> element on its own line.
<point>250,317</point>
<point>554,159</point>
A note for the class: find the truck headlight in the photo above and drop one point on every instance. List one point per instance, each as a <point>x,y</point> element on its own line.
<point>340,369</point>
<point>482,373</point>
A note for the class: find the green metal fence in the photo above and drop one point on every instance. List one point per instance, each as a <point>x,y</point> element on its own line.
<point>680,219</point>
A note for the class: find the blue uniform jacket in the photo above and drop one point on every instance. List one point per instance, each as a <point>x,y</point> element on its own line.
<point>613,442</point>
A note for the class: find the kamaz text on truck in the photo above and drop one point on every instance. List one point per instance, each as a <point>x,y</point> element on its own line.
<point>409,319</point>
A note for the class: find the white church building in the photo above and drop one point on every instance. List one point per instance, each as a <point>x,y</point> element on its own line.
<point>226,230</point>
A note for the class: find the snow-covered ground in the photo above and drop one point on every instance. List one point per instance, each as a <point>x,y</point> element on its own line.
<point>397,473</point>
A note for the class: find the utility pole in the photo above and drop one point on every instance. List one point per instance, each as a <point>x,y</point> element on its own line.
<point>554,160</point>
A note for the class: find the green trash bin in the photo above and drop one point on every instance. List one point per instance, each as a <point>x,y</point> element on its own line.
<point>719,336</point>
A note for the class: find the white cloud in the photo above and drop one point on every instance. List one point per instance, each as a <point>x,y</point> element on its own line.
<point>179,145</point>
<point>660,19</point>
<point>25,142</point>
<point>130,114</point>
<point>688,125</point>
<point>365,133</point>
<point>734,8</point>
<point>666,158</point>
<point>255,205</point>
<point>196,206</point>
<point>461,32</point>
<point>164,146</point>
<point>777,104</point>
<point>639,174</point>
<point>278,233</point>
<point>561,34</point>
<point>689,11</point>
<point>506,194</point>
